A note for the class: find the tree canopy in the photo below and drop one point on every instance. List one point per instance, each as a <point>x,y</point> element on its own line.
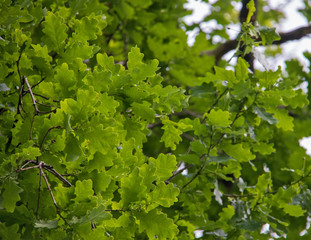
<point>113,127</point>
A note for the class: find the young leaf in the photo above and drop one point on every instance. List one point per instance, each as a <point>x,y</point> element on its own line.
<point>219,118</point>
<point>165,166</point>
<point>96,215</point>
<point>55,31</point>
<point>241,69</point>
<point>157,225</point>
<point>132,188</point>
<point>268,35</point>
<point>171,135</point>
<point>251,9</point>
<point>165,195</point>
<point>83,190</point>
<point>139,70</point>
<point>11,195</point>
<point>264,115</point>
<point>238,152</point>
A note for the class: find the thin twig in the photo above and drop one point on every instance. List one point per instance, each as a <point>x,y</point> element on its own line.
<point>44,97</point>
<point>29,161</point>
<point>177,173</point>
<point>47,184</point>
<point>187,136</point>
<point>38,83</point>
<point>32,96</point>
<point>25,169</point>
<point>186,112</point>
<point>39,192</point>
<point>116,210</point>
<point>31,127</point>
<point>217,100</point>
<point>231,44</point>
<point>46,134</point>
<point>215,103</point>
<point>56,174</point>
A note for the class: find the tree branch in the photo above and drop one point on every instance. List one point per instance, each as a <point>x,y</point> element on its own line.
<point>232,44</point>
<point>32,96</point>
<point>294,35</point>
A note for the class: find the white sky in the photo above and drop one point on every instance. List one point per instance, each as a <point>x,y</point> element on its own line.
<point>293,49</point>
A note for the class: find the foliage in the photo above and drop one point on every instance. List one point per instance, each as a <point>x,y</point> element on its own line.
<point>112,127</point>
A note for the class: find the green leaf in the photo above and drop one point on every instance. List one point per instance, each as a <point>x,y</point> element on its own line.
<point>88,28</point>
<point>268,78</point>
<point>108,63</point>
<point>96,215</point>
<point>268,35</point>
<point>10,232</point>
<point>132,188</point>
<point>101,181</point>
<point>100,161</point>
<point>156,225</point>
<point>84,190</point>
<point>171,135</point>
<point>227,76</point>
<point>242,89</point>
<point>251,225</point>
<point>10,195</point>
<point>165,195</point>
<point>144,111</point>
<point>72,148</point>
<point>238,152</point>
<point>219,159</point>
<point>141,3</point>
<point>205,90</point>
<point>66,78</point>
<point>63,195</point>
<point>264,115</point>
<point>49,224</point>
<point>107,104</point>
<point>285,121</point>
<point>165,166</point>
<point>103,139</point>
<point>54,31</point>
<point>219,118</point>
<point>139,70</point>
<point>263,182</point>
<point>293,210</point>
<point>227,213</point>
<point>264,148</point>
<point>42,51</point>
<point>251,9</point>
<point>241,69</point>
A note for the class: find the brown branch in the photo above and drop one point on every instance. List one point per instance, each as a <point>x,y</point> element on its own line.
<point>46,134</point>
<point>41,165</point>
<point>221,50</point>
<point>25,169</point>
<point>39,193</point>
<point>32,96</point>
<point>232,44</point>
<point>294,35</point>
<point>31,127</point>
<point>195,176</point>
<point>187,136</point>
<point>177,173</point>
<point>56,174</point>
<point>47,184</point>
<point>186,113</point>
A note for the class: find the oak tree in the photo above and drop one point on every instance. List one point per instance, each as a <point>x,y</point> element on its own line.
<point>113,127</point>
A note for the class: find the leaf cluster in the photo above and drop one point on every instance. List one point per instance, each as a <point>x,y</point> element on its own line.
<point>112,127</point>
